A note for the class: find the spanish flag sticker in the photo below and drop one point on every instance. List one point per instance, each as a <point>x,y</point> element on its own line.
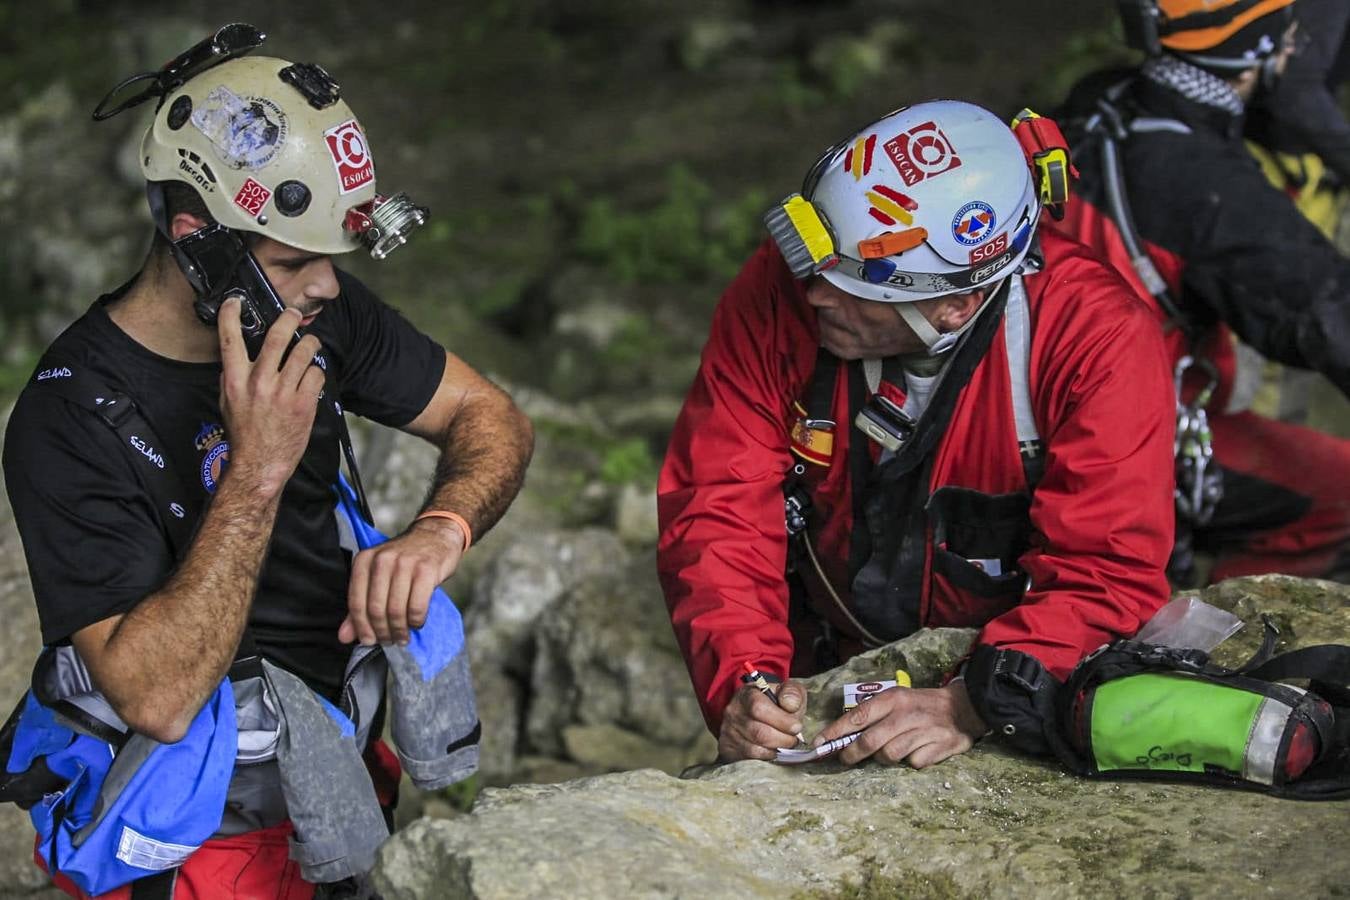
<point>815,445</point>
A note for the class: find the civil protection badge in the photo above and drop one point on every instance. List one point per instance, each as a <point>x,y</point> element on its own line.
<point>211,441</point>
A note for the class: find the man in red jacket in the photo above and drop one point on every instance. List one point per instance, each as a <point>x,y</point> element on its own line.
<point>1011,469</point>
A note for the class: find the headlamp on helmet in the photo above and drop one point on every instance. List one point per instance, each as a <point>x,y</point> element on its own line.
<point>802,237</point>
<point>1048,155</point>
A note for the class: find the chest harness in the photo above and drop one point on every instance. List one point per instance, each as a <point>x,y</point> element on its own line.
<point>892,506</point>
<point>1199,483</point>
<point>264,748</point>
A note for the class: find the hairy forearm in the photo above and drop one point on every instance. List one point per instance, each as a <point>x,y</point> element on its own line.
<point>168,655</point>
<point>485,450</point>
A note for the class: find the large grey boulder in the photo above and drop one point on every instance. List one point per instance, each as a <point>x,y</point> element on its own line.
<point>516,596</point>
<point>989,821</point>
<point>607,657</point>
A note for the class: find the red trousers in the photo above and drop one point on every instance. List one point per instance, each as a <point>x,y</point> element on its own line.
<point>251,865</point>
<point>1286,505</point>
<point>255,865</point>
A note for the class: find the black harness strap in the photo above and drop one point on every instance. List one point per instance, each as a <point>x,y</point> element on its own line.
<point>120,413</point>
<point>887,587</point>
<point>1325,662</point>
<point>820,393</point>
<point>1111,130</point>
<point>155,887</point>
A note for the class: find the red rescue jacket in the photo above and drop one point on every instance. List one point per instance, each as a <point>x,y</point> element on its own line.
<point>1101,517</point>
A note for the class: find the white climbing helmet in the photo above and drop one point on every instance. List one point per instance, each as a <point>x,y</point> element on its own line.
<point>271,148</point>
<point>936,198</point>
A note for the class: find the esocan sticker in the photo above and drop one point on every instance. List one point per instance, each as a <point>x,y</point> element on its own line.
<point>351,156</point>
<point>252,197</point>
<point>246,132</point>
<point>922,152</point>
<point>973,223</point>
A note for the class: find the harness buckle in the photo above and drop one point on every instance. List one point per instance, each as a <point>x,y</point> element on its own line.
<point>796,510</point>
<point>114,408</point>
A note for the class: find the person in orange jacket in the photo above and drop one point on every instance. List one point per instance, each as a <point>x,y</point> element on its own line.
<point>1011,468</point>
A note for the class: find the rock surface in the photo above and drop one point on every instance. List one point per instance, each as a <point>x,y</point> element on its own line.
<point>987,821</point>
<point>607,656</point>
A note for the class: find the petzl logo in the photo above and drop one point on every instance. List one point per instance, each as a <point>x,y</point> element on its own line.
<point>981,274</point>
<point>60,372</point>
<point>146,450</point>
<point>351,156</point>
<point>922,152</point>
<point>973,223</point>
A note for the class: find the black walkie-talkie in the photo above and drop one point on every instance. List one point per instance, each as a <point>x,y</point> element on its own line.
<point>217,263</point>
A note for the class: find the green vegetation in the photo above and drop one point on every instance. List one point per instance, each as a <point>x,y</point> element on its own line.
<point>851,64</point>
<point>627,461</point>
<point>796,820</point>
<point>461,796</point>
<point>687,234</point>
<point>1079,54</point>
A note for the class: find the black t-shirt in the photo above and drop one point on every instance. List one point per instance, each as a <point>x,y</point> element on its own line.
<point>94,542</point>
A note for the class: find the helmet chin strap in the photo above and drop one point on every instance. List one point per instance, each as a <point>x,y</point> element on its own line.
<point>939,342</point>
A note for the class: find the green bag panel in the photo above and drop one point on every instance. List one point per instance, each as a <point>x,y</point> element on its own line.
<point>1176,723</point>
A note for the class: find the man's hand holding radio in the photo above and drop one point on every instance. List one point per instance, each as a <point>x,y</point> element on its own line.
<point>268,404</point>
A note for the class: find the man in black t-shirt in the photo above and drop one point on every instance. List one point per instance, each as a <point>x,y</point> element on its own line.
<point>259,157</point>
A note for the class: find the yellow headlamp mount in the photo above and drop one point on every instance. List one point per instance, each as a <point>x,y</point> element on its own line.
<point>802,236</point>
<point>1048,156</point>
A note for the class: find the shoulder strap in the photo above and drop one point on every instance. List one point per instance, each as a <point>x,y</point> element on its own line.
<point>120,413</point>
<point>1109,126</point>
<point>1324,662</point>
<point>820,391</point>
<point>1017,338</point>
<point>1141,124</point>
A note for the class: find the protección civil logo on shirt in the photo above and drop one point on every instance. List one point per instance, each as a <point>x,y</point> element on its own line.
<point>211,442</point>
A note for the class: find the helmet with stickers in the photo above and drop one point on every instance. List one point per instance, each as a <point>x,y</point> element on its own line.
<point>936,198</point>
<point>271,148</point>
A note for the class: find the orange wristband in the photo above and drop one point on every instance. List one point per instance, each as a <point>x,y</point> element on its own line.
<point>453,517</point>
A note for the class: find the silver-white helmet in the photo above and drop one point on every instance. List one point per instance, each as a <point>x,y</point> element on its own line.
<point>936,198</point>
<point>271,148</point>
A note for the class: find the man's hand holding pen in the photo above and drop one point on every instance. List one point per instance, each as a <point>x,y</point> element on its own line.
<point>761,718</point>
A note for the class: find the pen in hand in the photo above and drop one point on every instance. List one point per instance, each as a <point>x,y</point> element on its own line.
<point>754,678</point>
